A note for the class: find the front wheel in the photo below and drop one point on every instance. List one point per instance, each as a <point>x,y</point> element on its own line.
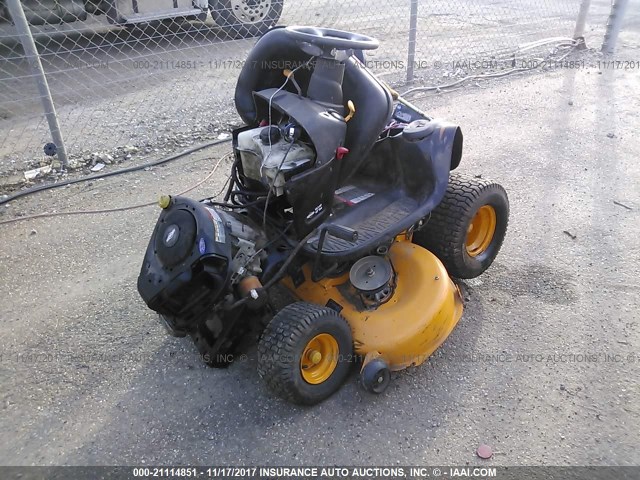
<point>466,230</point>
<point>246,18</point>
<point>304,353</point>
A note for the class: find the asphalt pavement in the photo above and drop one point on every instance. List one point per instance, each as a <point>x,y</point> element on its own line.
<point>543,366</point>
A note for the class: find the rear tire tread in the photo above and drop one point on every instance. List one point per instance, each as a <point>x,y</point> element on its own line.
<point>445,231</point>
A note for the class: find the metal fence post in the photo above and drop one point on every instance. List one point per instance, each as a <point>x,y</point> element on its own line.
<point>413,32</point>
<point>31,53</point>
<point>614,25</point>
<point>582,20</point>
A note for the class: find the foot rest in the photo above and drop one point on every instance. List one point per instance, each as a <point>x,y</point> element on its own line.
<point>369,227</point>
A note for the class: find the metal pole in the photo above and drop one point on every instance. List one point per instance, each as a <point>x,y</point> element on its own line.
<point>614,25</point>
<point>31,53</point>
<point>413,32</point>
<point>582,20</point>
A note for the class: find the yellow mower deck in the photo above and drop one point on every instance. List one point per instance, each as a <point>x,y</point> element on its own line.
<point>412,324</point>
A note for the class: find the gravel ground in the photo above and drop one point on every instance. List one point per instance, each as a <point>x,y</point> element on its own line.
<point>543,366</point>
<point>114,88</point>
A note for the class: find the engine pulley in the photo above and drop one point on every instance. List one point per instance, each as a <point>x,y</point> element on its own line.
<point>371,274</point>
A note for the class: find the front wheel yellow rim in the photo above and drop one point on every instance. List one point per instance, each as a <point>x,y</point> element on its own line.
<point>319,359</point>
<point>481,231</point>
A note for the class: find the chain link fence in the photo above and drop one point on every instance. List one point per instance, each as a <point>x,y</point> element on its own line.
<point>146,77</point>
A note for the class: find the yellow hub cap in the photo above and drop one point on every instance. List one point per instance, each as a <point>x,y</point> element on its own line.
<point>319,359</point>
<point>481,231</point>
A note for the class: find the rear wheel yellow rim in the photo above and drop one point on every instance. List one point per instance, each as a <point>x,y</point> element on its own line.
<point>481,231</point>
<point>319,359</point>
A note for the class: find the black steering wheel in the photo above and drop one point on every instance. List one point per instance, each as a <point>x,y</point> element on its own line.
<point>329,38</point>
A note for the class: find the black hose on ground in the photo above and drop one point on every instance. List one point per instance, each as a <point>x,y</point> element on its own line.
<point>49,186</point>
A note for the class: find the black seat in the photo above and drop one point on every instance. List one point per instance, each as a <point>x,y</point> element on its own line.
<point>264,69</point>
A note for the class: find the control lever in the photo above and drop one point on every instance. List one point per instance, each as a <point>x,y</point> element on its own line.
<point>338,231</point>
<point>352,111</point>
<point>344,233</point>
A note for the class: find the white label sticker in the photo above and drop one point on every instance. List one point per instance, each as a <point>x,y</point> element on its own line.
<point>361,198</point>
<point>342,190</point>
<point>219,234</point>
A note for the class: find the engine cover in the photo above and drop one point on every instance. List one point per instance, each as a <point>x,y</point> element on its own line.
<point>186,268</point>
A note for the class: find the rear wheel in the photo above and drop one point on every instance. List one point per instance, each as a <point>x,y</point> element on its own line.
<point>467,229</point>
<point>304,353</point>
<point>246,18</point>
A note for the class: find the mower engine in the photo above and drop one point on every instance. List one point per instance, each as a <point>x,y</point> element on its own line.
<point>272,155</point>
<point>198,257</point>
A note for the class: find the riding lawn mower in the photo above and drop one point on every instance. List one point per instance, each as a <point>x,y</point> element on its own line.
<point>341,192</point>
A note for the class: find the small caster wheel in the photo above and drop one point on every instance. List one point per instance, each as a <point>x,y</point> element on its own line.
<point>375,376</point>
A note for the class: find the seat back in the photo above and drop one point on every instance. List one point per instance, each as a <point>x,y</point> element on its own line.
<point>264,67</point>
<point>272,54</point>
<point>374,107</point>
